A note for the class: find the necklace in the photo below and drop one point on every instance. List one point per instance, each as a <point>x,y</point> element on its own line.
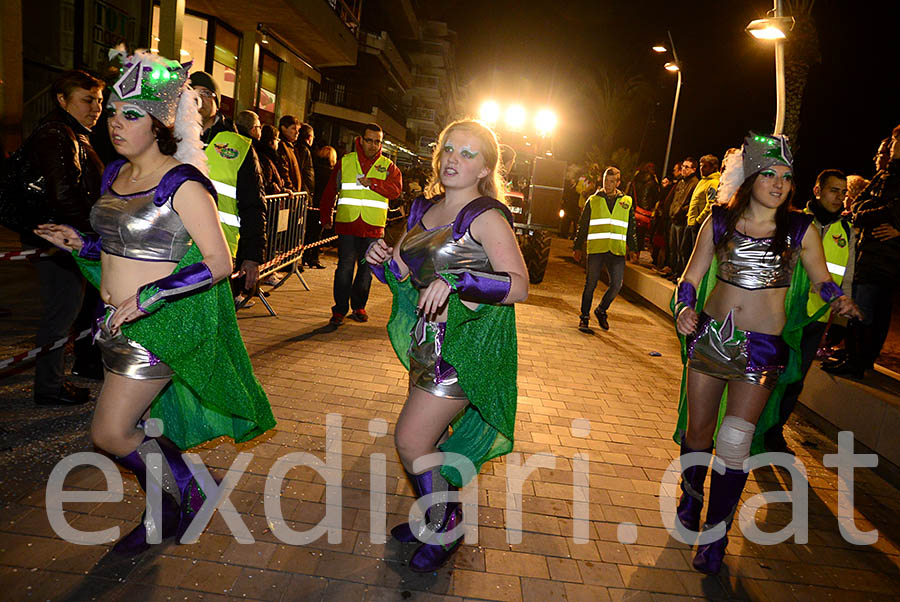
<point>133,179</point>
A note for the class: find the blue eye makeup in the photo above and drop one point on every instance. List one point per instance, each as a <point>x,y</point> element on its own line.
<point>448,148</point>
<point>468,153</point>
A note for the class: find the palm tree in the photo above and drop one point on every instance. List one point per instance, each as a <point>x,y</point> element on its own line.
<point>801,52</point>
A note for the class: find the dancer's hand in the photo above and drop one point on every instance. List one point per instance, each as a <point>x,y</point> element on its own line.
<point>687,321</point>
<point>60,235</point>
<point>379,252</point>
<point>846,307</point>
<point>127,311</point>
<point>433,299</point>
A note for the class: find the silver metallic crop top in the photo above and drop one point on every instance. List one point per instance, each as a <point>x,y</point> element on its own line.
<point>144,225</point>
<point>746,262</point>
<point>448,247</point>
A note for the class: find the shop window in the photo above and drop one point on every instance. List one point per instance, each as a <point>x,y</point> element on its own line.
<point>268,87</point>
<point>224,66</point>
<point>194,37</point>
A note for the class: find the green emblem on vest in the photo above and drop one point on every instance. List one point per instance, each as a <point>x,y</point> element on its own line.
<point>226,152</point>
<point>839,240</point>
<point>623,203</point>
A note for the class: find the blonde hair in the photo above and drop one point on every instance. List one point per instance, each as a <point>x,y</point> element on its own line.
<point>491,185</point>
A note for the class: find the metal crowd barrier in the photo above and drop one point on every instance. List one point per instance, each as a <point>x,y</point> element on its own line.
<point>285,235</point>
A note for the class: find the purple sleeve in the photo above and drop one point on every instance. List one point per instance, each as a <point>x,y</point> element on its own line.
<point>379,270</point>
<point>177,176</point>
<point>799,224</point>
<point>475,208</point>
<point>419,206</point>
<point>719,225</point>
<point>191,279</point>
<point>110,174</point>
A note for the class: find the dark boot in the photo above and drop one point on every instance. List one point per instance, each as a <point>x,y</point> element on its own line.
<point>136,541</point>
<point>691,503</point>
<point>191,494</point>
<point>403,532</point>
<point>724,495</point>
<point>442,518</point>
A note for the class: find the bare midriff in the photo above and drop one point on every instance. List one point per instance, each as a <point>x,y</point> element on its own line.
<point>122,276</point>
<point>760,310</point>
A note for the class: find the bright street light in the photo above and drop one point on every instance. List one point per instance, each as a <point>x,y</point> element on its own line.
<point>489,112</point>
<point>670,66</point>
<point>773,28</point>
<point>660,48</point>
<point>515,117</point>
<point>545,122</point>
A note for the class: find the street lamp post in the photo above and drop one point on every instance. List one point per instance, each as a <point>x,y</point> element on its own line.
<point>675,66</point>
<point>774,28</point>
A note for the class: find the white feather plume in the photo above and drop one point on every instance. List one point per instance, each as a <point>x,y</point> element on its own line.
<point>188,127</point>
<point>732,176</point>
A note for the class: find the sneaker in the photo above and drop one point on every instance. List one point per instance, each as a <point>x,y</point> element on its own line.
<point>601,318</point>
<point>360,315</point>
<point>336,319</point>
<point>584,325</point>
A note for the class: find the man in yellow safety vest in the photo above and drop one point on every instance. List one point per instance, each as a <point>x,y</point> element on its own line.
<point>235,172</point>
<point>607,226</point>
<point>839,241</point>
<point>362,183</point>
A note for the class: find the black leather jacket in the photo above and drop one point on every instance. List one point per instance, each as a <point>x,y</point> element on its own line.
<point>878,261</point>
<point>60,150</point>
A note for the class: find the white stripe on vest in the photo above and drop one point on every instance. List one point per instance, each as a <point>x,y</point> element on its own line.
<point>599,235</point>
<point>606,220</point>
<point>229,219</point>
<point>223,188</point>
<point>836,269</point>
<point>352,202</point>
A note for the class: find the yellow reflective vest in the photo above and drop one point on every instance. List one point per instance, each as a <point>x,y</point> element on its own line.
<point>836,242</point>
<point>608,232</point>
<point>225,154</point>
<point>354,199</point>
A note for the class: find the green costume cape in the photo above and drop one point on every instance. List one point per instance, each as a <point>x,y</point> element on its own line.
<point>795,310</point>
<point>213,391</point>
<point>481,345</point>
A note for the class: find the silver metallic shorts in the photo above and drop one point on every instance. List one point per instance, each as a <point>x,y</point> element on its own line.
<point>427,368</point>
<point>123,356</point>
<point>720,350</point>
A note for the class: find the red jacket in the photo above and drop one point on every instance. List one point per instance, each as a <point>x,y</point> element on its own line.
<point>390,188</point>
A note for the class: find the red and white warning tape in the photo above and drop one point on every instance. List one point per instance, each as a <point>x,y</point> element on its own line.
<point>19,255</point>
<point>28,355</point>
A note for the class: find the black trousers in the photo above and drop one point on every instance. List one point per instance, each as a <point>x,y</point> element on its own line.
<point>62,292</point>
<point>351,291</point>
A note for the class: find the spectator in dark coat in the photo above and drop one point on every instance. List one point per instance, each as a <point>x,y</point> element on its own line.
<point>273,168</point>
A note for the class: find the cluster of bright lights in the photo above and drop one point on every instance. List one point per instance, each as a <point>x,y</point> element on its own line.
<point>516,116</point>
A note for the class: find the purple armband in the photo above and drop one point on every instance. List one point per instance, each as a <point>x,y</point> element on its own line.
<point>481,287</point>
<point>190,279</point>
<point>685,296</point>
<point>90,245</point>
<point>829,291</point>
<point>378,270</point>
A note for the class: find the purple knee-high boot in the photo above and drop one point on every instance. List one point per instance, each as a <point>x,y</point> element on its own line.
<point>691,503</point>
<point>442,518</point>
<point>136,542</point>
<point>191,494</point>
<point>403,532</point>
<point>724,495</point>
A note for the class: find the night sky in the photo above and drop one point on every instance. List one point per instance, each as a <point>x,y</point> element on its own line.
<point>542,53</point>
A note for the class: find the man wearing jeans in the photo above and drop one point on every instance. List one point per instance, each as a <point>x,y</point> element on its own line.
<point>607,225</point>
<point>362,183</point>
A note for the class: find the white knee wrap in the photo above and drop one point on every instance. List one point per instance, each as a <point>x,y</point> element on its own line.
<point>733,441</point>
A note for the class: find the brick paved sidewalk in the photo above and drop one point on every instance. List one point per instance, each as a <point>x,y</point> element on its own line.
<point>609,380</point>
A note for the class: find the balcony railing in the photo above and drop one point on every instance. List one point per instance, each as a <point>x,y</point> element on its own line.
<point>349,11</point>
<point>338,93</point>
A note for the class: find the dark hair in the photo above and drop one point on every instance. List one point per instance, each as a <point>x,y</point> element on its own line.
<point>268,134</point>
<point>738,204</point>
<point>714,160</point>
<point>69,81</point>
<point>165,137</point>
<point>287,121</point>
<point>822,178</point>
<point>374,127</point>
<point>691,159</point>
<point>306,130</point>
